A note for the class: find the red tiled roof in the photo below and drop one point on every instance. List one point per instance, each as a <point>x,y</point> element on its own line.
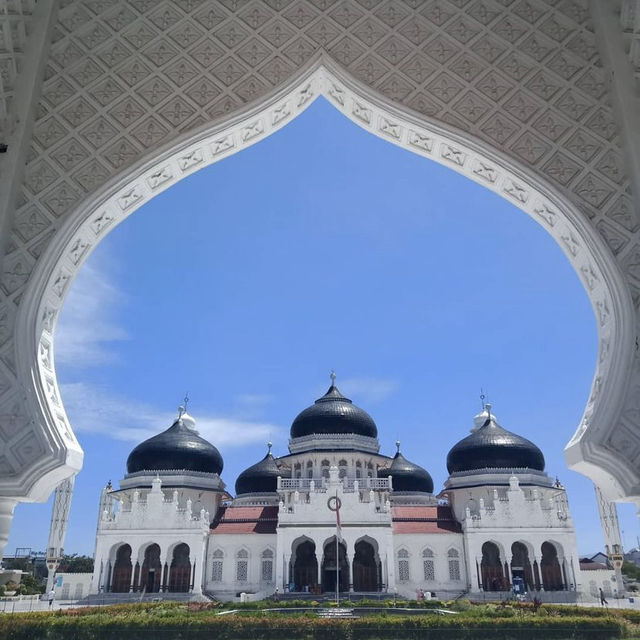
<point>593,566</point>
<point>245,520</point>
<point>424,519</point>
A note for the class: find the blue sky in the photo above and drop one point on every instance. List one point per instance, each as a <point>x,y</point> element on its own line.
<point>322,247</point>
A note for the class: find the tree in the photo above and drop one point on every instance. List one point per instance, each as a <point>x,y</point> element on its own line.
<point>76,564</point>
<point>631,570</point>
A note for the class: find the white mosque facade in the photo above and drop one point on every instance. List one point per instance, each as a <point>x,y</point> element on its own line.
<point>500,521</point>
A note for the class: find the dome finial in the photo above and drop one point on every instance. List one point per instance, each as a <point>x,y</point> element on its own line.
<point>182,409</point>
<point>482,398</point>
<point>269,445</point>
<point>398,446</point>
<point>488,409</point>
<point>332,375</point>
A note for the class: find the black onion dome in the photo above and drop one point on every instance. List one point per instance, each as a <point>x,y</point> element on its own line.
<point>492,447</point>
<point>407,476</point>
<point>261,477</point>
<point>333,413</point>
<point>177,448</point>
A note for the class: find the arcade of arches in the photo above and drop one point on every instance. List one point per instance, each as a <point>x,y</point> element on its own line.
<point>546,570</point>
<point>309,573</point>
<point>150,574</point>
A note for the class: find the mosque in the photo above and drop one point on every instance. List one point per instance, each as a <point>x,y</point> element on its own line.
<point>336,511</point>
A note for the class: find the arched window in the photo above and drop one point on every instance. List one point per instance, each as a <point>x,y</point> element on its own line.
<point>428,566</point>
<point>267,566</point>
<point>297,470</point>
<point>606,588</point>
<point>309,469</point>
<point>242,565</point>
<point>403,565</point>
<point>325,469</point>
<point>216,567</point>
<point>454,564</point>
<point>358,469</point>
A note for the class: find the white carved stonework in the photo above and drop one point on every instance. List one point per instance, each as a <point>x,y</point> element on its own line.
<point>122,99</point>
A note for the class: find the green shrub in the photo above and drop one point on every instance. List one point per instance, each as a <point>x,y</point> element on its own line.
<point>174,621</point>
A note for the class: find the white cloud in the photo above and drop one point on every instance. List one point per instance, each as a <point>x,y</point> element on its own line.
<point>93,409</point>
<point>87,326</point>
<point>368,390</point>
<point>254,400</point>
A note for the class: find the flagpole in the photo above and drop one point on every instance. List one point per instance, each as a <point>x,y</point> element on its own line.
<point>337,555</point>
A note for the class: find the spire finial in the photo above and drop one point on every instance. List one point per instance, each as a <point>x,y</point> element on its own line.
<point>182,409</point>
<point>398,446</point>
<point>482,398</point>
<point>269,445</point>
<point>488,408</point>
<point>332,375</point>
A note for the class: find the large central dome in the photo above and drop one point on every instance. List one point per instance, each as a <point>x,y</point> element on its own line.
<point>333,414</point>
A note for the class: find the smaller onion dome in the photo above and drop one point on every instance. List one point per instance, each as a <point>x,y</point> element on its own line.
<point>180,447</point>
<point>333,413</point>
<point>262,477</point>
<point>407,476</point>
<point>491,447</point>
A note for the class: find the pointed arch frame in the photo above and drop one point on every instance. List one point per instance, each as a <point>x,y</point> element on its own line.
<point>94,218</point>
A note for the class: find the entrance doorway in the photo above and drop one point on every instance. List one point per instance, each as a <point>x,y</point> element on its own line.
<point>521,565</point>
<point>121,581</point>
<point>550,568</point>
<point>366,567</point>
<point>180,574</point>
<point>491,568</point>
<point>151,569</point>
<point>305,567</point>
<point>329,566</point>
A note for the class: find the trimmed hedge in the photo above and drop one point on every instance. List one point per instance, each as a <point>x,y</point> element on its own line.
<point>168,624</point>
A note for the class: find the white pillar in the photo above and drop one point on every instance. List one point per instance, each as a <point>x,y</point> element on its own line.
<point>197,577</point>
<point>477,572</point>
<point>7,505</point>
<point>538,559</point>
<point>134,561</point>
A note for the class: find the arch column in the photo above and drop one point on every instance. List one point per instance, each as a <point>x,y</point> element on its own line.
<point>476,580</point>
<point>537,572</point>
<point>197,575</point>
<point>506,570</point>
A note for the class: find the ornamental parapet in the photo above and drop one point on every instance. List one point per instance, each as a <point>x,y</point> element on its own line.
<point>153,510</point>
<point>540,508</point>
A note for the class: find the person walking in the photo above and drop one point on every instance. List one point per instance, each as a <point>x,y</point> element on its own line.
<point>52,595</point>
<point>603,600</point>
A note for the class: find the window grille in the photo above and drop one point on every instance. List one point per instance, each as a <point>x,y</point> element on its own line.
<point>454,569</point>
<point>403,565</point>
<point>429,570</point>
<point>216,571</point>
<point>267,570</point>
<point>242,571</point>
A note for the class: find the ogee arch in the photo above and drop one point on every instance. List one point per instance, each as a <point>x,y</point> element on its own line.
<point>87,224</point>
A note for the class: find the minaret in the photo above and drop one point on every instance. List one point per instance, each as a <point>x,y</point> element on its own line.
<point>611,532</point>
<point>58,530</point>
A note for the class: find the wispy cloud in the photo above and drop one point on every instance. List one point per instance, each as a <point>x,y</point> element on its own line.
<point>87,326</point>
<point>368,389</point>
<point>93,409</point>
<point>253,400</point>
